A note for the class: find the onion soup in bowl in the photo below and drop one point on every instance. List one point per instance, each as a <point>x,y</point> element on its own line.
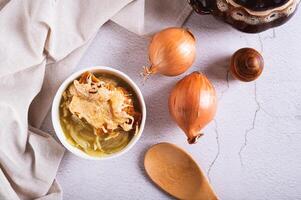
<point>98,113</point>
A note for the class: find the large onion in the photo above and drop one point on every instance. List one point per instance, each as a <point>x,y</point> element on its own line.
<point>192,104</point>
<point>171,52</point>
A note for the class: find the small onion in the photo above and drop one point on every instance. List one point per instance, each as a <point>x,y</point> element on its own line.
<point>192,104</point>
<point>171,52</point>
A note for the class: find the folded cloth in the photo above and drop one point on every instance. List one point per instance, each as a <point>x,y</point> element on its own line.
<point>40,43</point>
<point>145,17</point>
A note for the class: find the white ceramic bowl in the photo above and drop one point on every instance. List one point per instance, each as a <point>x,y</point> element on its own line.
<point>56,103</point>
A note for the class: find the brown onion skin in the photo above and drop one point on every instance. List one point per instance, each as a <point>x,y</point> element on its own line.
<point>246,64</point>
<point>193,104</point>
<point>168,61</point>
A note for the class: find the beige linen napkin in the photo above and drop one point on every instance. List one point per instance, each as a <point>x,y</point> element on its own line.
<point>145,17</point>
<point>40,42</point>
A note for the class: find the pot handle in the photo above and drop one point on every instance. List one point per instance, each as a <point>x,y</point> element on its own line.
<point>200,6</point>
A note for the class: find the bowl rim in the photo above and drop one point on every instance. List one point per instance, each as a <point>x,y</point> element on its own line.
<point>55,112</point>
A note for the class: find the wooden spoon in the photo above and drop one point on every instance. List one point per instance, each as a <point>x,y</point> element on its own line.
<point>173,170</point>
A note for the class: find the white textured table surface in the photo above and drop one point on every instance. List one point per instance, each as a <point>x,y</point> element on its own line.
<point>253,148</point>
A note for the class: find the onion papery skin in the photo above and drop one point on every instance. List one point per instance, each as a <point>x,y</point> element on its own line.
<point>193,104</point>
<point>171,52</point>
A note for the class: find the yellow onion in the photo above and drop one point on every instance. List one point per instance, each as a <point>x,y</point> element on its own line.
<point>192,104</point>
<point>171,52</point>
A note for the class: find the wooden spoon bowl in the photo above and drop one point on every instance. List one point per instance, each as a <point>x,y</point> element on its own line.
<point>174,170</point>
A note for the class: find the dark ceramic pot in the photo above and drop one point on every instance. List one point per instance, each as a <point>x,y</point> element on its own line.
<point>251,16</point>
